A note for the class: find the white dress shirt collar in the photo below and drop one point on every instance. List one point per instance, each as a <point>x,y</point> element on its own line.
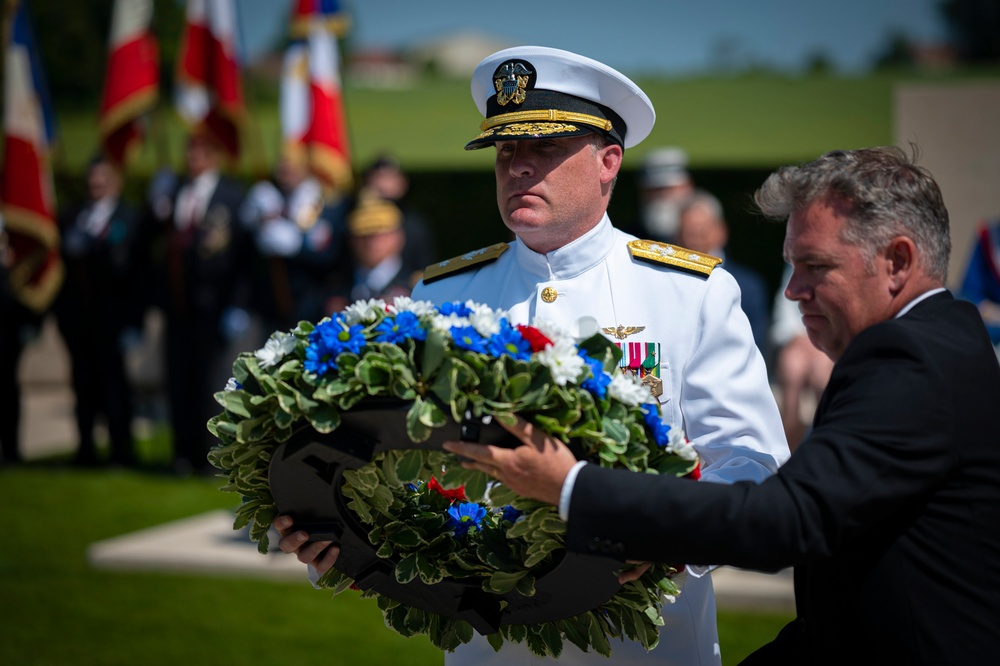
<point>921,297</point>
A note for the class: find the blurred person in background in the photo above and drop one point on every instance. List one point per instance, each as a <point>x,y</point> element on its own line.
<point>800,369</point>
<point>19,325</point>
<point>301,240</point>
<point>204,289</point>
<point>378,267</point>
<point>99,310</point>
<point>386,179</point>
<point>664,185</point>
<point>703,229</point>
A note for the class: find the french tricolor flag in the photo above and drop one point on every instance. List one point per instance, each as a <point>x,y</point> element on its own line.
<point>209,90</point>
<point>27,201</point>
<point>313,122</point>
<point>132,80</point>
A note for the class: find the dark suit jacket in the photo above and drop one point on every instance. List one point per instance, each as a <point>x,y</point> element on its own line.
<point>889,511</point>
<point>101,294</point>
<point>208,266</point>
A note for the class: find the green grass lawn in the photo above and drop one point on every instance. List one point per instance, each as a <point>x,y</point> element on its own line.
<point>55,609</point>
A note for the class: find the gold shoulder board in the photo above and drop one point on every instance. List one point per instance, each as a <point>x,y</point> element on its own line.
<point>674,255</point>
<point>463,262</point>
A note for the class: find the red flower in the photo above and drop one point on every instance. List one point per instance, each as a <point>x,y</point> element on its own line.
<point>695,473</point>
<point>535,338</point>
<point>453,494</point>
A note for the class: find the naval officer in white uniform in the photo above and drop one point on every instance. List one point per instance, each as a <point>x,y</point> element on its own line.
<point>559,123</point>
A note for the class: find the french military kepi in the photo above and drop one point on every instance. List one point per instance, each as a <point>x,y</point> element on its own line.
<point>534,92</point>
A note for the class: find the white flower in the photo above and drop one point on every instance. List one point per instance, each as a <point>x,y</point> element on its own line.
<point>629,389</point>
<point>276,348</point>
<point>232,385</point>
<point>446,322</point>
<point>363,311</point>
<point>485,319</point>
<point>680,445</point>
<point>552,331</point>
<point>407,304</point>
<point>562,359</point>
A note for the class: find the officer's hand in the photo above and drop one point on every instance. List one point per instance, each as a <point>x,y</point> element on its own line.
<point>320,554</point>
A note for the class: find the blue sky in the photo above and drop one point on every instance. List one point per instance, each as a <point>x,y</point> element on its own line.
<point>638,36</point>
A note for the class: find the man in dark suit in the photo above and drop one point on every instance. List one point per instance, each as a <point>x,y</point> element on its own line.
<point>205,283</point>
<point>100,308</point>
<point>890,508</point>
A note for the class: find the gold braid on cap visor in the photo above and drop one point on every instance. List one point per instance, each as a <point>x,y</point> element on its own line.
<point>546,114</point>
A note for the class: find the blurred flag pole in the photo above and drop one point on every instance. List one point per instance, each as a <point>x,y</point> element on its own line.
<point>208,88</point>
<point>131,85</point>
<point>256,156</point>
<point>27,198</point>
<point>313,121</point>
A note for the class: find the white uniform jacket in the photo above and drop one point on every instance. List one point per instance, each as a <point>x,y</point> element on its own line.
<point>714,386</point>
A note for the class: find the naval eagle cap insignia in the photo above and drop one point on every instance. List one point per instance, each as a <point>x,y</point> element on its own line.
<point>621,332</point>
<point>511,82</point>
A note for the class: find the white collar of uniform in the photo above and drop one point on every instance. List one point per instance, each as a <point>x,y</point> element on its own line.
<point>921,297</point>
<point>306,194</point>
<point>572,259</point>
<point>204,184</point>
<point>98,215</point>
<point>379,277</point>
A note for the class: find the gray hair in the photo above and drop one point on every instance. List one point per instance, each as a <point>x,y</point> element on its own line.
<point>886,193</point>
<point>704,198</point>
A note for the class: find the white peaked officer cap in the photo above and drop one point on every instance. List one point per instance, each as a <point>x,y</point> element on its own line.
<point>530,92</point>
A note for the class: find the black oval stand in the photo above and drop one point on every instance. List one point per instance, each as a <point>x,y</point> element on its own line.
<point>306,474</point>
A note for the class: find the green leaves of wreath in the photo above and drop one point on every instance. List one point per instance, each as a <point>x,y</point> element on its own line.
<point>435,519</point>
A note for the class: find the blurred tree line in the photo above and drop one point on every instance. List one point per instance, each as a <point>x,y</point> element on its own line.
<point>973,28</point>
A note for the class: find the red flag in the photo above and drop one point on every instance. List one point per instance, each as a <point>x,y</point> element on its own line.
<point>209,91</point>
<point>27,201</point>
<point>312,111</point>
<point>132,79</point>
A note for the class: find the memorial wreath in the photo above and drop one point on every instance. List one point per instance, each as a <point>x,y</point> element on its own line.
<point>425,515</point>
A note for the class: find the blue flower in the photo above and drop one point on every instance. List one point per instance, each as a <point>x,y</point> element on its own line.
<point>465,516</point>
<point>469,338</point>
<point>508,341</point>
<point>598,382</point>
<point>328,341</point>
<point>456,308</point>
<point>510,514</point>
<point>659,429</point>
<point>398,329</point>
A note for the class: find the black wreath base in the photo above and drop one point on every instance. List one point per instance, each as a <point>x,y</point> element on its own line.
<point>305,479</point>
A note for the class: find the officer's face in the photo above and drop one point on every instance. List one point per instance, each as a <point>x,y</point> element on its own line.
<point>102,181</point>
<point>839,293</point>
<point>552,191</point>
